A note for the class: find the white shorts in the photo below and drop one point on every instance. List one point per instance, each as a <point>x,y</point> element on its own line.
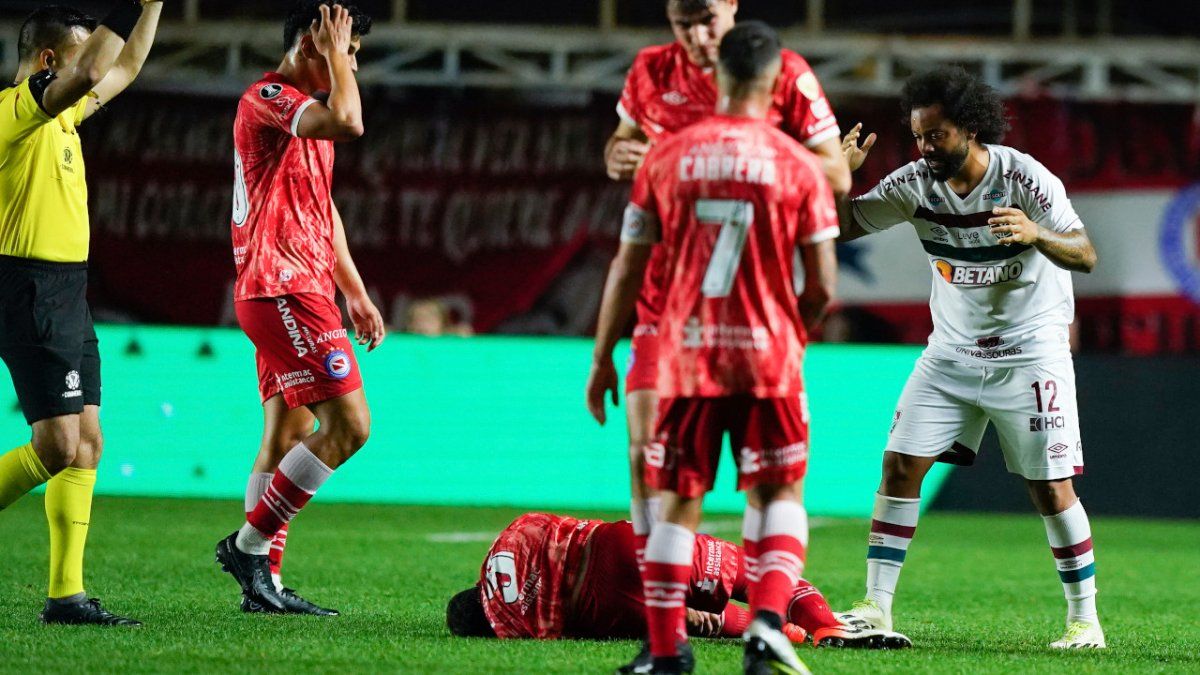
<point>946,406</point>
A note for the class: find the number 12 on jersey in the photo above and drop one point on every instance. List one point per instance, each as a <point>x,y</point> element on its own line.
<point>735,218</point>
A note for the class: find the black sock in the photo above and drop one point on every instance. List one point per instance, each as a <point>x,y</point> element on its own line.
<point>770,618</point>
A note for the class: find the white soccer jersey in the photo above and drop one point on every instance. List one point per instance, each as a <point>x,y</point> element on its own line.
<point>991,303</point>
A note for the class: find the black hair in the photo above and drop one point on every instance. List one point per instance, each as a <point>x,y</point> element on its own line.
<point>305,12</point>
<point>48,27</point>
<point>965,100</point>
<point>465,616</point>
<point>690,6</point>
<point>747,49</point>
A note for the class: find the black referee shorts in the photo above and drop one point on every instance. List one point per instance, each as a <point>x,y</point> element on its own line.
<point>47,339</point>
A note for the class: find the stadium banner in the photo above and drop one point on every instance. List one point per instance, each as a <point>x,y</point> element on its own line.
<point>477,421</point>
<point>483,203</point>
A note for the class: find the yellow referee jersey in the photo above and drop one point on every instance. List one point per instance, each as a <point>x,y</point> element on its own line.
<point>43,193</point>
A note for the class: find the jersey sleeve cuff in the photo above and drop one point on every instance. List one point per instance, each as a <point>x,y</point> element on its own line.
<point>625,116</point>
<point>300,113</point>
<point>859,218</point>
<point>825,234</point>
<point>820,137</point>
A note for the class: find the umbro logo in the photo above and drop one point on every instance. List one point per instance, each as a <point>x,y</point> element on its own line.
<point>674,98</point>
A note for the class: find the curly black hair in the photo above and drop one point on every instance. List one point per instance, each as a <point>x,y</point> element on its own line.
<point>304,12</point>
<point>965,99</point>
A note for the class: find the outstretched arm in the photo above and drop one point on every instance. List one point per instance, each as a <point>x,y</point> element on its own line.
<point>95,60</point>
<point>131,59</point>
<point>1071,250</point>
<point>854,155</point>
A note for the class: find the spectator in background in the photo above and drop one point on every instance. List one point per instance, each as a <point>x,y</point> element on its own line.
<point>432,317</point>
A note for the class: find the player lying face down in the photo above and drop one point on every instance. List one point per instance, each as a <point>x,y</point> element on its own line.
<point>551,577</point>
<point>699,26</point>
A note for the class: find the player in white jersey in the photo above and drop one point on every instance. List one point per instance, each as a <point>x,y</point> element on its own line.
<point>1002,240</point>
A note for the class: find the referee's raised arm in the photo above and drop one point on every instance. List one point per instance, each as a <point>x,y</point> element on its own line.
<point>71,76</point>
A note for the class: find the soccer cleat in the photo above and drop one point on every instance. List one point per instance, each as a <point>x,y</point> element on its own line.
<point>292,604</point>
<point>252,573</point>
<point>795,634</point>
<point>643,663</point>
<point>86,611</point>
<point>769,652</point>
<point>854,637</point>
<point>866,614</point>
<point>1081,635</point>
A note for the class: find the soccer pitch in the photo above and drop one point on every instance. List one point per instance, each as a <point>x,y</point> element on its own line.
<point>979,594</point>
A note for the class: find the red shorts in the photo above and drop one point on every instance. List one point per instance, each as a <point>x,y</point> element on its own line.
<point>302,349</point>
<point>769,437</point>
<point>642,371</point>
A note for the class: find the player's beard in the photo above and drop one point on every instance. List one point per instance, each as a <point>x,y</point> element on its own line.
<point>949,163</point>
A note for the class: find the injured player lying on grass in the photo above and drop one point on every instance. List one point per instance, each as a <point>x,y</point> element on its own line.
<point>551,576</point>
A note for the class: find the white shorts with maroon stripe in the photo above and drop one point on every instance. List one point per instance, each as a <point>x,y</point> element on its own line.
<point>946,406</point>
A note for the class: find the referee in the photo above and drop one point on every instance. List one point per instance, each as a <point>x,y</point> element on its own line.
<point>70,65</point>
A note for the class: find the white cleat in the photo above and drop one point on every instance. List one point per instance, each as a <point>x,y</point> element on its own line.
<point>769,652</point>
<point>1081,635</point>
<point>868,615</point>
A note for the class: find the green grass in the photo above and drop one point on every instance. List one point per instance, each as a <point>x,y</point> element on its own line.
<point>979,594</point>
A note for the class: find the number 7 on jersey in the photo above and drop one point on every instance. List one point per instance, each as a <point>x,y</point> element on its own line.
<point>735,218</point>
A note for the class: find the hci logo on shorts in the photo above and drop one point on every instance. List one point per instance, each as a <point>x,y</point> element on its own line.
<point>337,364</point>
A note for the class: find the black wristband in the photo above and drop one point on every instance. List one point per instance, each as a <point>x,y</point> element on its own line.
<point>123,17</point>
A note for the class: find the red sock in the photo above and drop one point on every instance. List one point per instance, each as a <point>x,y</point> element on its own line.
<point>668,567</point>
<point>275,555</point>
<point>735,620</point>
<point>279,504</point>
<point>809,609</point>
<point>780,558</point>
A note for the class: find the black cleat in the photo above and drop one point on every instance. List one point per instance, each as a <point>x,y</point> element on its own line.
<point>292,604</point>
<point>859,637</point>
<point>643,663</point>
<point>86,611</point>
<point>253,574</point>
<point>769,652</point>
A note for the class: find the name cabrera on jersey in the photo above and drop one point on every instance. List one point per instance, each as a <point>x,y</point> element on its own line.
<point>991,303</point>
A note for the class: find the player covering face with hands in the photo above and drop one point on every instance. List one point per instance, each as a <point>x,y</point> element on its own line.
<point>70,65</point>
<point>1002,239</point>
<point>291,255</point>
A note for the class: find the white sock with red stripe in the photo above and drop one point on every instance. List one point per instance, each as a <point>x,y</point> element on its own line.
<point>1070,536</point>
<point>893,524</point>
<point>297,479</point>
<point>256,487</point>
<point>643,513</point>
<point>664,585</point>
<point>751,528</point>
<point>780,557</point>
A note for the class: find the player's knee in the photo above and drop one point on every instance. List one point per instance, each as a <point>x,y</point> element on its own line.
<point>91,446</point>
<point>355,429</point>
<point>900,475</point>
<point>56,448</point>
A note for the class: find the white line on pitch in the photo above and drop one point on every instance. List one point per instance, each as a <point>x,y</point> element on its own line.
<point>708,527</point>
